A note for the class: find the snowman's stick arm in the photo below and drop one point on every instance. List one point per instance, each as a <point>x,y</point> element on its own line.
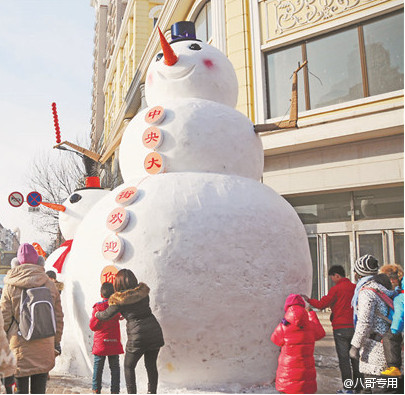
<point>292,122</point>
<point>93,155</point>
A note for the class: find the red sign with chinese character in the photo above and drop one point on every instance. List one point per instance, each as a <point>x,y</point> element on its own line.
<point>153,163</point>
<point>108,274</point>
<point>155,115</point>
<point>117,219</point>
<point>152,137</point>
<point>127,196</point>
<point>112,248</point>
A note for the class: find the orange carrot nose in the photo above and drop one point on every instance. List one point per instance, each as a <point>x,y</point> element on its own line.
<point>59,207</point>
<point>170,57</point>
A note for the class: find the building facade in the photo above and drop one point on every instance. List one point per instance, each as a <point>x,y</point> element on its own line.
<point>342,168</point>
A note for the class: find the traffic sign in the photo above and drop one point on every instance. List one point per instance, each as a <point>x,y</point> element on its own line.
<point>34,199</point>
<point>16,199</point>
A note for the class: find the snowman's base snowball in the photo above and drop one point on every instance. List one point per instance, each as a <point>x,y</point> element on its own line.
<point>220,254</point>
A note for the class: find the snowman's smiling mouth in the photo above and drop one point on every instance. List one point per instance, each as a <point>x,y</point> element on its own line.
<point>175,74</point>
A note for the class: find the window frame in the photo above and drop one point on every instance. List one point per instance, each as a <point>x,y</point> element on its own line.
<point>302,44</point>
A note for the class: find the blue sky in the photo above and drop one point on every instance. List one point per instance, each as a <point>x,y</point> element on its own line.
<point>46,55</point>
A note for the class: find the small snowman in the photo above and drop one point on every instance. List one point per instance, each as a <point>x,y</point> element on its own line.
<point>219,250</point>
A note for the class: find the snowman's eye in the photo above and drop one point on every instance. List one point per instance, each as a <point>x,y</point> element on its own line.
<point>195,47</point>
<point>159,56</point>
<point>75,198</point>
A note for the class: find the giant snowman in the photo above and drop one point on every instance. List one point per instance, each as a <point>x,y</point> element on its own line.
<point>219,250</point>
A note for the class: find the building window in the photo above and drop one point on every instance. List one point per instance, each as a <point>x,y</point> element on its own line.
<point>349,64</point>
<point>203,23</point>
<point>336,207</point>
<point>379,203</point>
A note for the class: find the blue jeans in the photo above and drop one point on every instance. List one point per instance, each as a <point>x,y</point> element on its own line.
<point>114,362</point>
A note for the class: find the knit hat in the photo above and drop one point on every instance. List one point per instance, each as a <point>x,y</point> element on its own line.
<point>366,265</point>
<point>293,299</point>
<point>27,254</point>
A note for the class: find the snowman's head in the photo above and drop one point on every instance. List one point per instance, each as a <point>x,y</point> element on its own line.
<point>190,69</point>
<point>75,208</point>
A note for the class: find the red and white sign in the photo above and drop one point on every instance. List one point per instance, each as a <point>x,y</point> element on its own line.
<point>155,115</point>
<point>117,220</point>
<point>16,199</point>
<point>152,137</point>
<point>127,196</point>
<point>113,247</point>
<point>153,163</point>
<point>108,274</point>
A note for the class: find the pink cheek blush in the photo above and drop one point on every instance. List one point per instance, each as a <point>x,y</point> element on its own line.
<point>150,78</point>
<point>208,63</point>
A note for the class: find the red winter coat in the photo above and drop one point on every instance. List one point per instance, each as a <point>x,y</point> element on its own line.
<point>107,334</point>
<point>296,372</point>
<point>339,299</point>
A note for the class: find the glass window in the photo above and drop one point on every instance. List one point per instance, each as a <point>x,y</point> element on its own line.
<point>399,248</point>
<point>371,244</point>
<point>379,203</point>
<point>335,69</point>
<point>203,24</point>
<point>384,42</point>
<point>338,250</point>
<point>280,67</point>
<point>333,207</point>
<point>336,66</point>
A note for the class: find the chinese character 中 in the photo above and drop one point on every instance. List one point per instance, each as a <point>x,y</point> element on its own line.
<point>154,114</point>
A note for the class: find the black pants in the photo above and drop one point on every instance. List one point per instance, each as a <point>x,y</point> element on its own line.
<point>392,348</point>
<point>8,384</point>
<point>38,384</point>
<point>130,361</point>
<point>349,368</point>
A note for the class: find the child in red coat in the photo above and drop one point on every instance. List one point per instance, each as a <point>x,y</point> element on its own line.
<point>296,335</point>
<point>107,343</point>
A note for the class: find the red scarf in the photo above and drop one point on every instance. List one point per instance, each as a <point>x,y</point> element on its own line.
<point>58,265</point>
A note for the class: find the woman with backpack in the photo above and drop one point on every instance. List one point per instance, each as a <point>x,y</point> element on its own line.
<point>36,356</point>
<point>371,309</point>
<point>144,333</point>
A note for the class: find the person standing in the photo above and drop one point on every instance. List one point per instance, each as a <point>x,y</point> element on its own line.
<point>35,358</point>
<point>296,335</point>
<point>372,309</point>
<point>339,299</point>
<point>106,343</point>
<point>145,337</point>
<point>7,360</point>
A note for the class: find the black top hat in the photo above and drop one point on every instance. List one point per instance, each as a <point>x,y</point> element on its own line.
<point>184,30</point>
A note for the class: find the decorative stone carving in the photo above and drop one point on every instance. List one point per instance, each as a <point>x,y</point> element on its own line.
<point>285,15</point>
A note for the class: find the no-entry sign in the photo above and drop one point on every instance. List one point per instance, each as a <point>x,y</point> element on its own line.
<point>34,199</point>
<point>16,199</point>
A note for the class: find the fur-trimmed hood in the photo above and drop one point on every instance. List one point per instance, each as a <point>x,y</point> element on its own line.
<point>129,296</point>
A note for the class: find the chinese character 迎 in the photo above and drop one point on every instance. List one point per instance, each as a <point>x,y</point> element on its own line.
<point>111,246</point>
